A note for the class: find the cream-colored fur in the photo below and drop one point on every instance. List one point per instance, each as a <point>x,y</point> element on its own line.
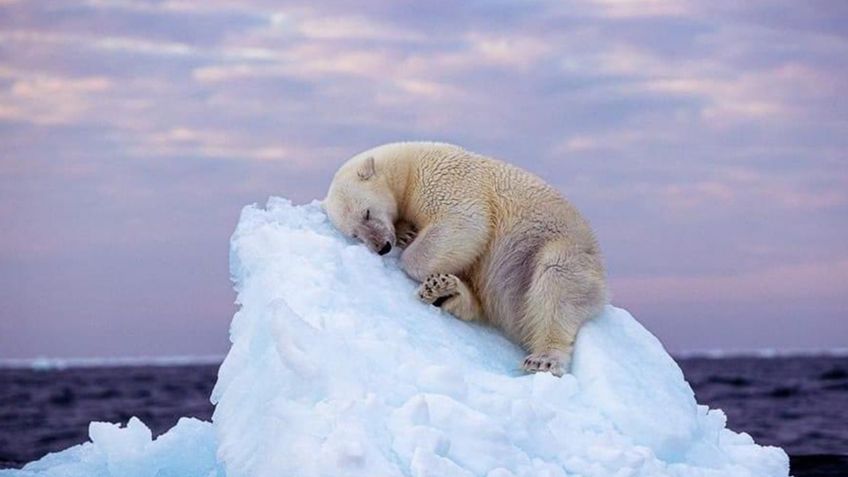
<point>488,241</point>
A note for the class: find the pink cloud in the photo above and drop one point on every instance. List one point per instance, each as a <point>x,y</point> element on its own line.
<point>822,281</point>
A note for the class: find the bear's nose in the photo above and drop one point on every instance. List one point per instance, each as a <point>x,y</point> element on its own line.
<point>386,249</point>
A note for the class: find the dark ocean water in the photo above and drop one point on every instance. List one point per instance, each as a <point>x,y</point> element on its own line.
<point>798,403</point>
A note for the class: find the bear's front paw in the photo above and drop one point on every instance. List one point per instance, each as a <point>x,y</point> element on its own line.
<point>406,233</point>
<point>438,288</point>
<point>554,362</point>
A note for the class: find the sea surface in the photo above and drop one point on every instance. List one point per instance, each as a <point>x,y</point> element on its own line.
<point>798,403</point>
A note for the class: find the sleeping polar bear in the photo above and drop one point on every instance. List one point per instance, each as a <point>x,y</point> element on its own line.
<point>488,241</point>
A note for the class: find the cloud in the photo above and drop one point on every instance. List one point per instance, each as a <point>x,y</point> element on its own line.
<point>790,283</point>
<point>317,26</point>
<point>45,99</point>
<point>649,8</point>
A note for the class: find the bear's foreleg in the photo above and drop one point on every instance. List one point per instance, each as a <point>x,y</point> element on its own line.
<point>449,246</point>
<point>451,294</point>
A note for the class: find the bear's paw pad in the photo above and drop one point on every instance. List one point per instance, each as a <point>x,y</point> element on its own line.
<point>438,288</point>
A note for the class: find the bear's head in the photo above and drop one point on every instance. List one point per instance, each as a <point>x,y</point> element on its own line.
<point>360,204</point>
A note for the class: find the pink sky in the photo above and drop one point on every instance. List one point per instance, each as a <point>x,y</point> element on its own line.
<point>706,141</point>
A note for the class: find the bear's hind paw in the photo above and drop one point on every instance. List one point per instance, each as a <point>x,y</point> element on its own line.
<point>554,362</point>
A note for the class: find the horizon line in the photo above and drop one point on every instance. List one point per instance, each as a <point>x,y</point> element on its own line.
<point>43,363</point>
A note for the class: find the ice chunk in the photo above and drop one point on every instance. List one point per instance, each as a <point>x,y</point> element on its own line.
<point>187,450</point>
<point>336,369</point>
<point>616,361</point>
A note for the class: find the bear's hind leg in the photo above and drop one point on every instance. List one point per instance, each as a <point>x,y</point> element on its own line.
<point>451,294</point>
<point>566,290</point>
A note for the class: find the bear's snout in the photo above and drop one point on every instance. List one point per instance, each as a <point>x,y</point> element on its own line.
<point>377,236</point>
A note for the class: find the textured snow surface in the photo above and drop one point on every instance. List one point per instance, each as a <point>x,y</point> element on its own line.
<point>187,450</point>
<point>336,369</point>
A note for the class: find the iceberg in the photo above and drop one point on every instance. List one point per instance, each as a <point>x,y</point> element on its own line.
<point>187,450</point>
<point>336,369</point>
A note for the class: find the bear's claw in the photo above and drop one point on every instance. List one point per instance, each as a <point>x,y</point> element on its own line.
<point>551,362</point>
<point>438,288</point>
<point>406,234</point>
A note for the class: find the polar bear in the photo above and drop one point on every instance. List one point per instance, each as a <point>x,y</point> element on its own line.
<point>488,241</point>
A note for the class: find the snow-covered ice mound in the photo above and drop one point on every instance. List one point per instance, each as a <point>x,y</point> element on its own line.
<point>336,369</point>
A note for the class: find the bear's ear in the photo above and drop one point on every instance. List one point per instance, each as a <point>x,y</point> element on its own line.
<point>367,169</point>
